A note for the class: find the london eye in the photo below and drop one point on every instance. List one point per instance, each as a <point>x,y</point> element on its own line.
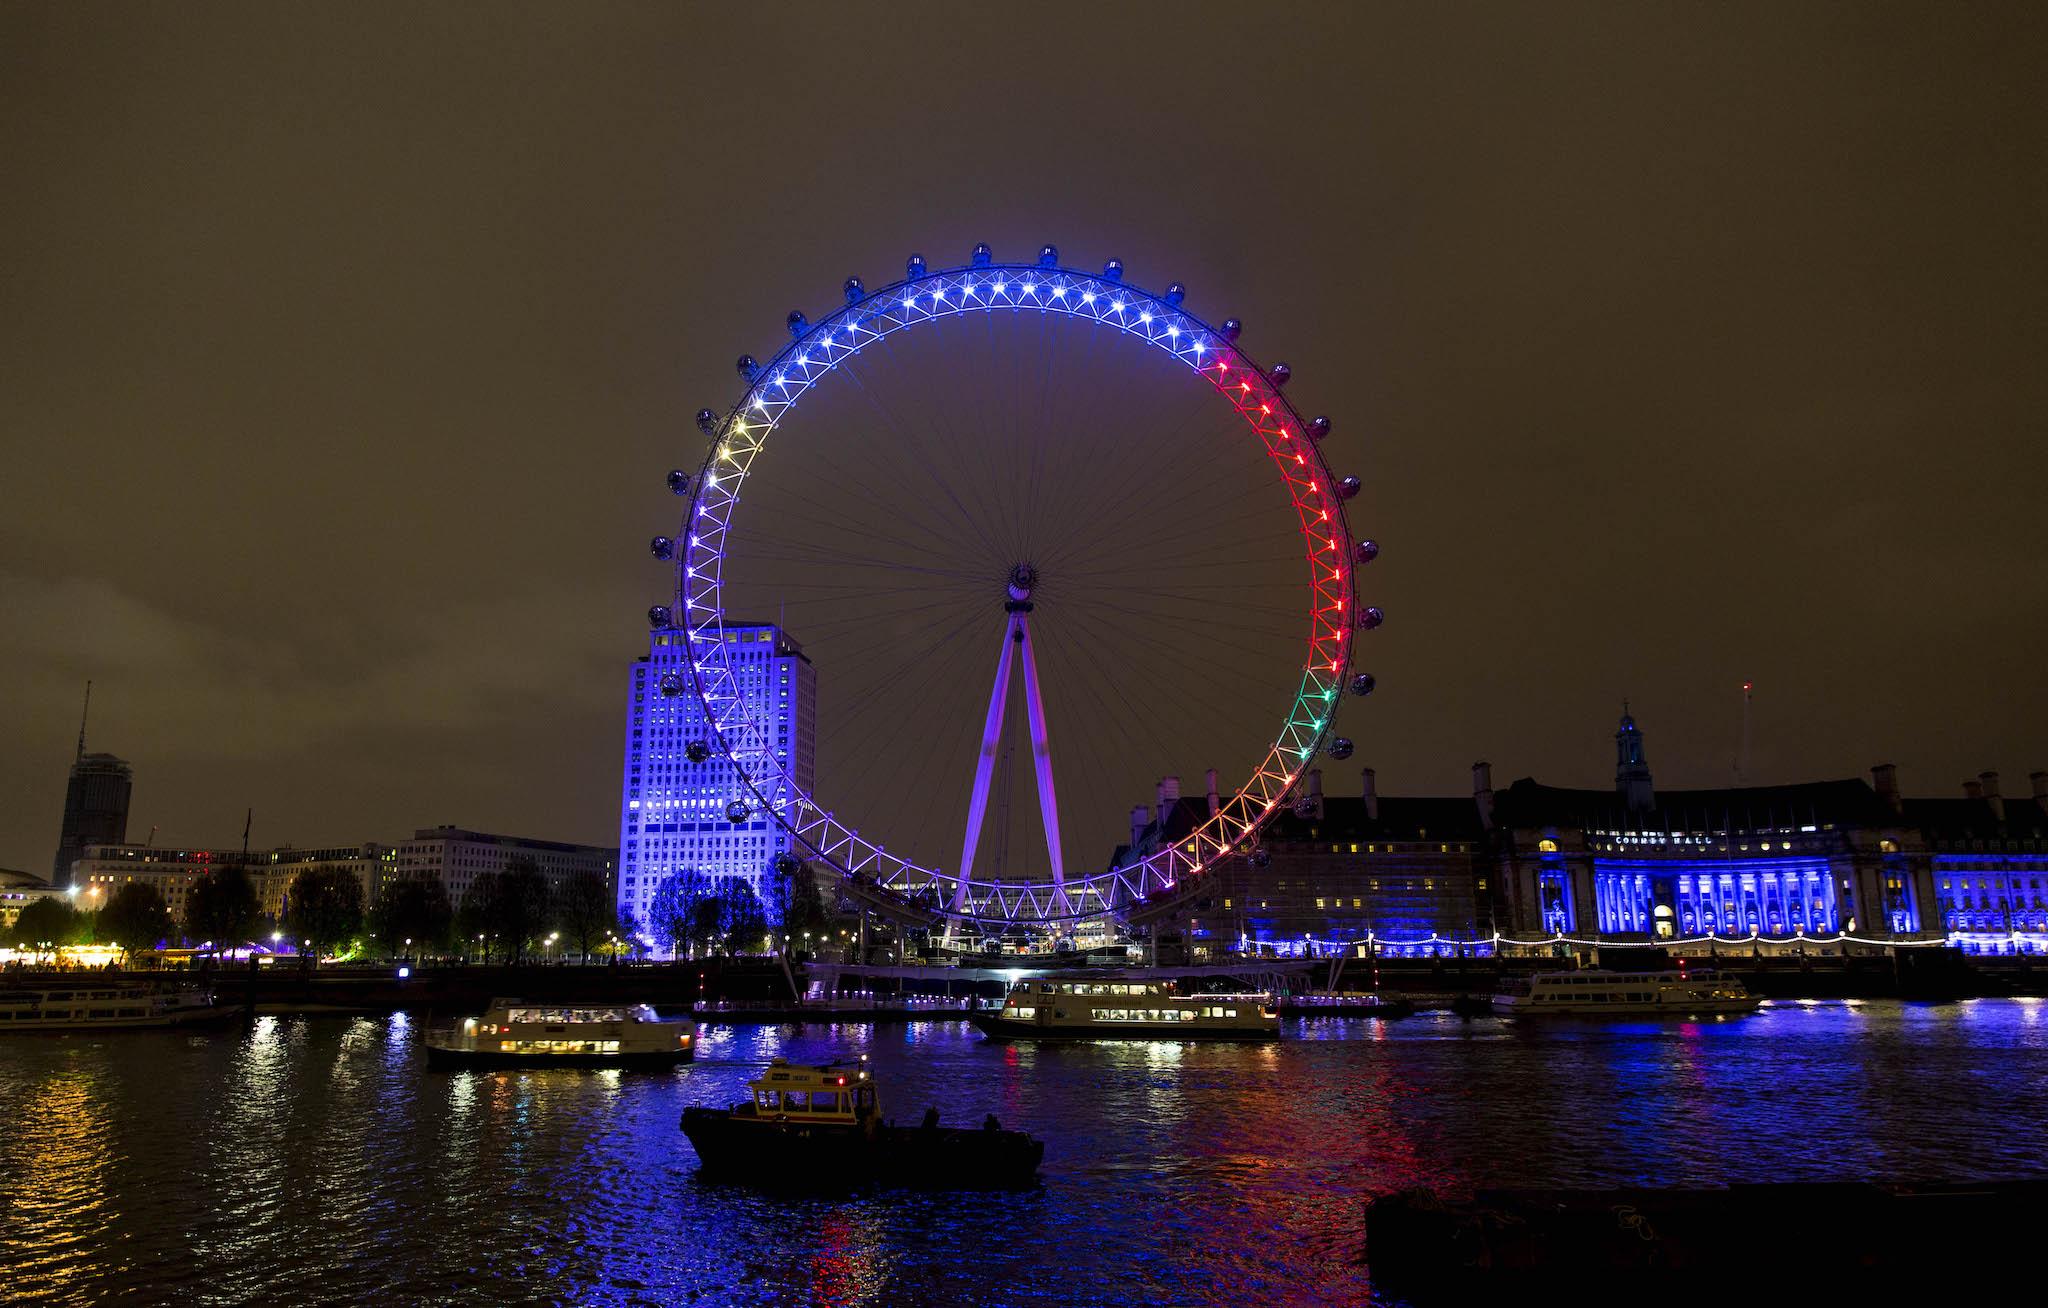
<point>1015,513</point>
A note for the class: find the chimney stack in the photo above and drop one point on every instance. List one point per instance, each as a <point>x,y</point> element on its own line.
<point>1482,793</point>
<point>1140,817</point>
<point>1169,795</point>
<point>1315,789</point>
<point>1884,778</point>
<point>1972,790</point>
<point>1372,796</point>
<point>1989,780</point>
<point>1215,799</point>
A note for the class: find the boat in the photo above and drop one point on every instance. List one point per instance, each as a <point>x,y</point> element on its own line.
<point>1594,992</point>
<point>820,1126</point>
<point>1369,1003</point>
<point>1049,1008</point>
<point>515,1033</point>
<point>85,1006</point>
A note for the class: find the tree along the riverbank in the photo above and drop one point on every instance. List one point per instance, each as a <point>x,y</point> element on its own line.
<point>222,908</point>
<point>505,912</point>
<point>585,910</point>
<point>48,924</point>
<point>324,908</point>
<point>136,917</point>
<point>412,917</point>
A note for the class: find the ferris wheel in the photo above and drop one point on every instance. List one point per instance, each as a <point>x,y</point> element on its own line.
<point>1050,476</point>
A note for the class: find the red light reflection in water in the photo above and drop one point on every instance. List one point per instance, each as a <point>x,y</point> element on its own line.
<point>847,1266</point>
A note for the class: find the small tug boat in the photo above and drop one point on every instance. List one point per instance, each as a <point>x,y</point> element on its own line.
<point>1595,993</point>
<point>822,1127</point>
<point>1045,1008</point>
<point>63,1006</point>
<point>513,1033</point>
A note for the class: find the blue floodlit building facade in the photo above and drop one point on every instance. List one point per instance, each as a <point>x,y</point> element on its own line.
<point>1636,863</point>
<point>1780,866</point>
<point>672,811</point>
<point>1989,862</point>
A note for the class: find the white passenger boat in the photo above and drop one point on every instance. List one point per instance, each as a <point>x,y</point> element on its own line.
<point>1593,992</point>
<point>515,1033</point>
<point>84,1006</point>
<point>1048,1008</point>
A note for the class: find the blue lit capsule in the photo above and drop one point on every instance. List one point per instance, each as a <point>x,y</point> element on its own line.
<point>1230,329</point>
<point>746,367</point>
<point>1048,256</point>
<point>657,617</point>
<point>1175,294</point>
<point>1262,857</point>
<point>1367,551</point>
<point>736,811</point>
<point>707,422</point>
<point>798,324</point>
<point>1278,375</point>
<point>696,751</point>
<point>856,290</point>
<point>662,547</point>
<point>1348,487</point>
<point>671,683</point>
<point>982,256</point>
<point>678,482</point>
<point>1341,747</point>
<point>1318,428</point>
<point>1113,270</point>
<point>914,266</point>
<point>1363,684</point>
<point>1371,618</point>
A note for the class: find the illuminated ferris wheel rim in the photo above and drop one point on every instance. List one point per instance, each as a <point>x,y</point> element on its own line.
<point>744,735</point>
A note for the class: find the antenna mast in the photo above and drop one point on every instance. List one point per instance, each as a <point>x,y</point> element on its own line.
<point>1742,764</point>
<point>85,714</point>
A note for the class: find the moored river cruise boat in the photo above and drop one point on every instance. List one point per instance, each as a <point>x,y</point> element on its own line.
<point>515,1033</point>
<point>84,1006</point>
<point>1595,993</point>
<point>821,1127</point>
<point>1056,1008</point>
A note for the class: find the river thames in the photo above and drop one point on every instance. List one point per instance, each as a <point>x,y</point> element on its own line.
<point>317,1160</point>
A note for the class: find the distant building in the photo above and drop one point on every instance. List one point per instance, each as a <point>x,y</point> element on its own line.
<point>1634,864</point>
<point>451,855</point>
<point>95,809</point>
<point>271,872</point>
<point>103,869</point>
<point>1639,863</point>
<point>20,889</point>
<point>1988,859</point>
<point>1405,873</point>
<point>457,857</point>
<point>371,864</point>
<point>673,813</point>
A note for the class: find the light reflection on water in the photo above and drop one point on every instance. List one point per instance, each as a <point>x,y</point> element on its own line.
<point>296,1158</point>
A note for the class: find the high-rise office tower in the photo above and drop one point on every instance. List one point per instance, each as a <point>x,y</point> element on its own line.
<point>95,803</point>
<point>673,812</point>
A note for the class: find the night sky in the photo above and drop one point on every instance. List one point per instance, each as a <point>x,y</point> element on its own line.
<point>344,348</point>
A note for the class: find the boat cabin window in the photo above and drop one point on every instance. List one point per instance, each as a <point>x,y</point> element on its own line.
<point>564,1015</point>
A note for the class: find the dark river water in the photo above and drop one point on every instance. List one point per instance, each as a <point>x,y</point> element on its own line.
<point>303,1160</point>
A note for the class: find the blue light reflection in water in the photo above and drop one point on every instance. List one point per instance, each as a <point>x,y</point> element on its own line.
<point>317,1159</point>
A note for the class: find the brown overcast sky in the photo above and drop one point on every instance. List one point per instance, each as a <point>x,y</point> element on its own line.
<point>343,347</point>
